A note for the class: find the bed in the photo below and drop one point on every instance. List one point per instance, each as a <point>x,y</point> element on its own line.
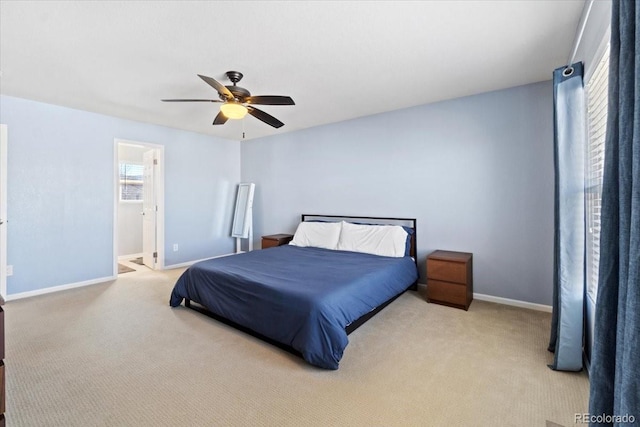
<point>303,298</point>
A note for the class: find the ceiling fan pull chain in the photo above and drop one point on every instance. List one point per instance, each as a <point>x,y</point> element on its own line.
<point>243,128</point>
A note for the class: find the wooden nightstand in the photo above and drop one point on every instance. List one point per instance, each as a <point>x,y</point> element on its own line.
<point>450,278</point>
<point>276,240</point>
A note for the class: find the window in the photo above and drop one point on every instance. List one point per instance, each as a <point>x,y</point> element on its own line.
<point>131,176</point>
<point>597,93</point>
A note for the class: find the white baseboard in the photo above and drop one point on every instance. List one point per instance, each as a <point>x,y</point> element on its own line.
<point>59,288</point>
<point>513,302</point>
<point>507,301</point>
<point>481,297</point>
<point>93,281</point>
<point>190,263</point>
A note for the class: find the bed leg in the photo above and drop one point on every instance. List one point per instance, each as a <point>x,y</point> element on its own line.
<point>187,302</point>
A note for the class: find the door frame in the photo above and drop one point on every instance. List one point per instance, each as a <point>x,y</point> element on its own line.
<point>159,189</point>
<point>3,210</point>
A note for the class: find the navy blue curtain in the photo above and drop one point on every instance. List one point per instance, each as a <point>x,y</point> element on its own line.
<point>615,363</point>
<point>569,244</point>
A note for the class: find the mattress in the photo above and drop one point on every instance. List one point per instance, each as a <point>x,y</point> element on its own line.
<point>302,297</point>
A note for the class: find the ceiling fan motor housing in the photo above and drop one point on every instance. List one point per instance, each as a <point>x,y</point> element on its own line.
<point>239,93</point>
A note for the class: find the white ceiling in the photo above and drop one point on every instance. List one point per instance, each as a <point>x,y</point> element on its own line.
<point>337,60</point>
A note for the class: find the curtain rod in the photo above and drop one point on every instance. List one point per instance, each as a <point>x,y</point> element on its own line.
<point>576,42</point>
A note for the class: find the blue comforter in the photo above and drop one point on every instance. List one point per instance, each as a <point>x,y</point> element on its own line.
<point>301,297</point>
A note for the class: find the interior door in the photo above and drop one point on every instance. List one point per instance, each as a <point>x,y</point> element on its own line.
<point>3,210</point>
<point>149,210</point>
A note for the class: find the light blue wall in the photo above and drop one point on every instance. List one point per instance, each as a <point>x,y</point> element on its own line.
<point>477,173</point>
<point>61,189</point>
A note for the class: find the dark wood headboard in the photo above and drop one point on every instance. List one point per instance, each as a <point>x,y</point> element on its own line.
<point>377,220</point>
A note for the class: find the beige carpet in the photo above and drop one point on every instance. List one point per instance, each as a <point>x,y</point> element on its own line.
<point>124,269</point>
<point>116,354</point>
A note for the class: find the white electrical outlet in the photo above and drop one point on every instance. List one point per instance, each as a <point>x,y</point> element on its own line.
<point>9,270</point>
<point>175,247</point>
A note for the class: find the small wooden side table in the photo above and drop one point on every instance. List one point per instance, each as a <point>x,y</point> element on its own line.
<point>450,278</point>
<point>276,240</point>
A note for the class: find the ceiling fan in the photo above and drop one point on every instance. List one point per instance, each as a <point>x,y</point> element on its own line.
<point>237,101</point>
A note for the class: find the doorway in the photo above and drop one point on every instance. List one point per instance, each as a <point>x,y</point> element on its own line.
<point>138,237</point>
<point>3,211</point>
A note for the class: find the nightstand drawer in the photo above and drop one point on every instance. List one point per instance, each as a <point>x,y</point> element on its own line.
<point>268,243</point>
<point>1,333</point>
<point>447,292</point>
<point>446,270</point>
<point>2,383</point>
<point>276,240</point>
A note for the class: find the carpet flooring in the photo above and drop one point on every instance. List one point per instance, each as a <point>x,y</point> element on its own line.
<point>117,354</point>
<point>124,269</point>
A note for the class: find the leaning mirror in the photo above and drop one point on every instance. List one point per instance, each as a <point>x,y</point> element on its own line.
<point>243,216</point>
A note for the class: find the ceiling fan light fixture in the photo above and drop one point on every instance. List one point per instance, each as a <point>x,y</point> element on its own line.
<point>234,98</point>
<point>233,110</point>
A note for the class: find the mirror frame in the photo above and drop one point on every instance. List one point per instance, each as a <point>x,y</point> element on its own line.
<point>242,216</point>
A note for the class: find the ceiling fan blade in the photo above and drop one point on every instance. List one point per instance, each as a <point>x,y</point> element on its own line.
<point>267,118</point>
<point>190,100</point>
<point>220,119</point>
<point>222,90</point>
<point>270,100</point>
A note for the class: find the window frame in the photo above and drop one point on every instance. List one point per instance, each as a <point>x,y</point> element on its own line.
<point>597,110</point>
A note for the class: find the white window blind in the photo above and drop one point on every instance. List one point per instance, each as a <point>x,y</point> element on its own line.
<point>597,95</point>
<point>131,178</point>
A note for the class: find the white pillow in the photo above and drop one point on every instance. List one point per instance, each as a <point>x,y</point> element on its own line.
<point>317,234</point>
<point>384,240</point>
